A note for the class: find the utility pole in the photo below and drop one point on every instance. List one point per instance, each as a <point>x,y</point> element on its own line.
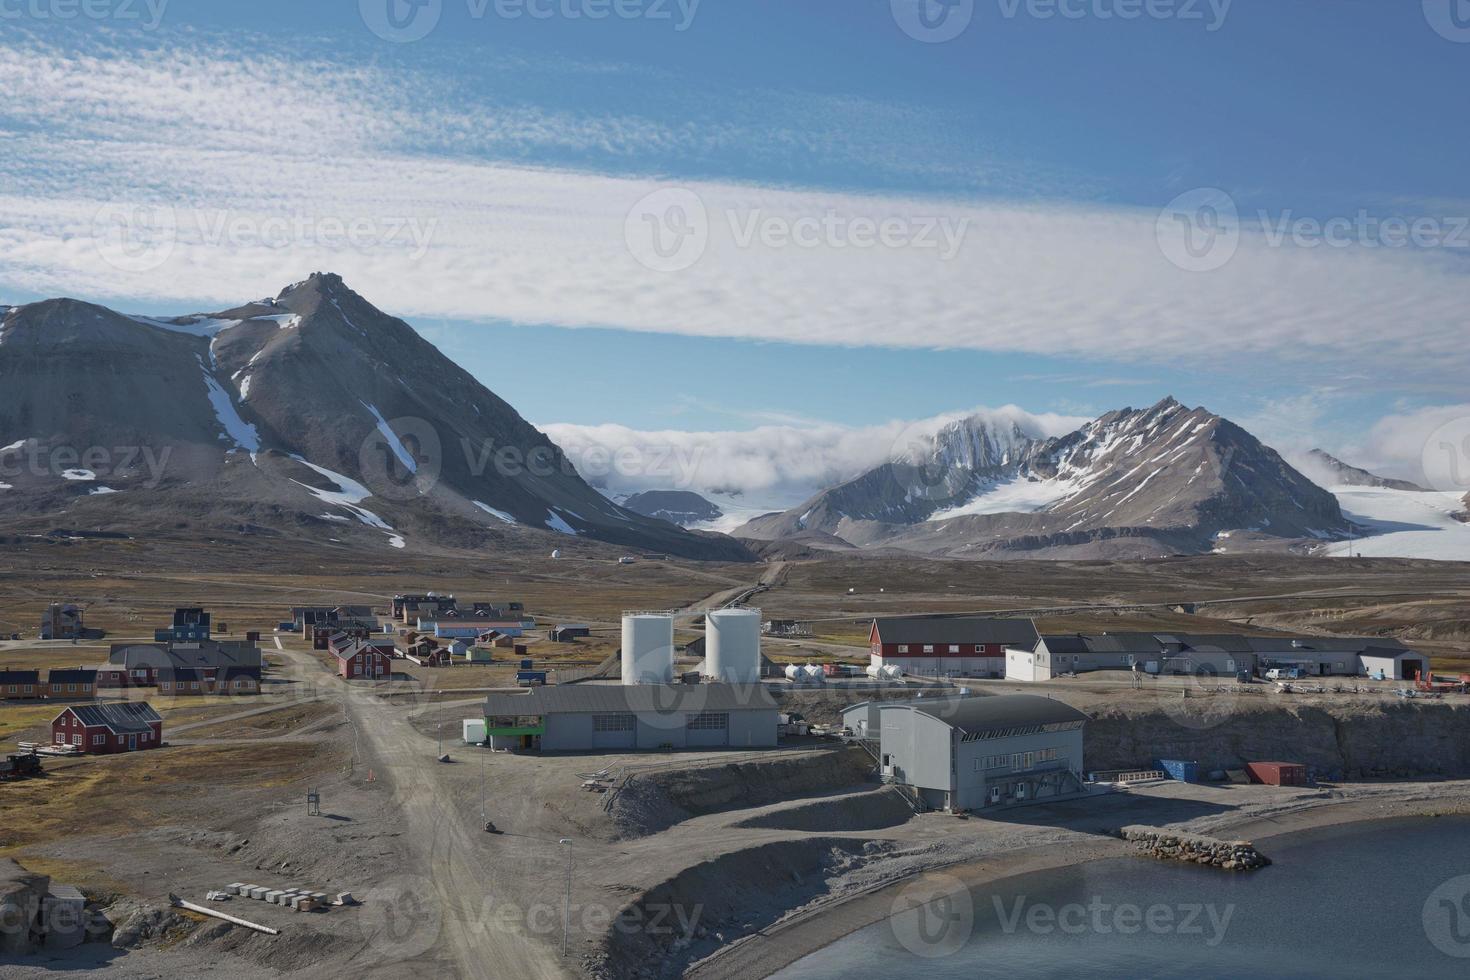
<point>566,906</point>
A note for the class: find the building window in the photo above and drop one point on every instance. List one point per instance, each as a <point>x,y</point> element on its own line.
<point>903,648</point>
<point>708,721</point>
<point>12,689</point>
<point>621,722</point>
<point>98,740</point>
<point>954,648</point>
<point>60,738</point>
<point>928,648</point>
<point>27,689</point>
<point>76,740</point>
<point>979,648</point>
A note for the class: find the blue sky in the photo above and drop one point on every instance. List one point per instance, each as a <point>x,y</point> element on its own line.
<point>521,149</point>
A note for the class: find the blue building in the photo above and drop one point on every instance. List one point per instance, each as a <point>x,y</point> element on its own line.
<point>189,626</point>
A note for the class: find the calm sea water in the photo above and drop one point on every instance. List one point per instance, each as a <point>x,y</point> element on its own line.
<point>1386,899</point>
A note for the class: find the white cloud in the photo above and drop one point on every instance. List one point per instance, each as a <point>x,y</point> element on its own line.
<point>1430,446</point>
<point>234,145</point>
<point>776,465</point>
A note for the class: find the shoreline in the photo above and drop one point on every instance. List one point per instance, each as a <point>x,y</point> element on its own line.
<point>793,938</point>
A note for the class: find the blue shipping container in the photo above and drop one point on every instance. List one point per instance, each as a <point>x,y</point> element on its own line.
<point>1185,772</point>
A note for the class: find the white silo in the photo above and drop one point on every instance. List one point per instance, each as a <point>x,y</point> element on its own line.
<point>648,648</point>
<point>732,646</point>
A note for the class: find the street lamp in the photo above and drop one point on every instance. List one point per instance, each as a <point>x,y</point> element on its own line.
<point>566,907</point>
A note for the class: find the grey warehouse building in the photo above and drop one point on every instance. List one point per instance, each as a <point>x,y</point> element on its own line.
<point>610,718</point>
<point>976,752</point>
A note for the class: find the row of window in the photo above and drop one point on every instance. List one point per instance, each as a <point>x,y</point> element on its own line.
<point>68,688</point>
<point>1017,761</point>
<point>96,739</point>
<point>708,721</point>
<point>952,648</point>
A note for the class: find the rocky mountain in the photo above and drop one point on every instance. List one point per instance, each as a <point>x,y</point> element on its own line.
<point>310,412</point>
<point>1133,483</point>
<point>1328,471</point>
<point>682,507</point>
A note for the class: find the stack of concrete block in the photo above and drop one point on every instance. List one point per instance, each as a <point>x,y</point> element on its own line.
<point>292,897</point>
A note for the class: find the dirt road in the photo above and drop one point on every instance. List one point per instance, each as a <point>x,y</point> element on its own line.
<point>445,913</point>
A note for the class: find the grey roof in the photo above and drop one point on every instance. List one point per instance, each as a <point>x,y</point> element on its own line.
<point>1325,644</point>
<point>613,698</point>
<point>206,653</point>
<point>975,715</point>
<point>957,629</point>
<point>20,676</point>
<point>80,675</point>
<point>123,717</point>
<point>1163,644</point>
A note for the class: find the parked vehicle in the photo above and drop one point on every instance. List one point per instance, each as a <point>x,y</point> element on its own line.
<point>1284,674</point>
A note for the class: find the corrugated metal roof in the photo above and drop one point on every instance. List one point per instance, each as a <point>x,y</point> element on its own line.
<point>616,698</point>
<point>205,653</point>
<point>20,677</point>
<point>959,629</point>
<point>122,717</point>
<point>974,715</point>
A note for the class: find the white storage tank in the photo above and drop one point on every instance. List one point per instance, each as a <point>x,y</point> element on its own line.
<point>733,646</point>
<point>648,648</point>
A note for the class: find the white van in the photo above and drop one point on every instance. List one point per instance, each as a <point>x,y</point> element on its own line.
<point>1284,674</point>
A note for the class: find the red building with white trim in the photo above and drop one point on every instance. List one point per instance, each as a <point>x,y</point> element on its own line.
<point>359,660</point>
<point>944,646</point>
<point>108,728</point>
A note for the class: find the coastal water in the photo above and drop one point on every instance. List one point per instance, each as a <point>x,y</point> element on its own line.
<point>1381,899</point>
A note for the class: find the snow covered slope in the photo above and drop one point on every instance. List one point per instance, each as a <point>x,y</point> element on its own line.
<point>1405,524</point>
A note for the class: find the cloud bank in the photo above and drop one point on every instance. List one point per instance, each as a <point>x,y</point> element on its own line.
<point>769,467</point>
<point>242,174</point>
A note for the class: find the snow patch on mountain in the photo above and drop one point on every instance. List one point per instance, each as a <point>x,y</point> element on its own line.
<point>500,514</point>
<point>556,523</point>
<point>404,456</point>
<point>237,430</point>
<point>1018,495</point>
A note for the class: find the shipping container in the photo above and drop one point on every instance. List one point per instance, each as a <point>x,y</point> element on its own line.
<point>1277,773</point>
<point>1184,772</point>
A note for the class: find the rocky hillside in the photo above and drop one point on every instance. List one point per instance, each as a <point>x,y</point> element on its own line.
<point>311,412</point>
<point>682,507</point>
<point>1328,471</point>
<point>1133,483</point>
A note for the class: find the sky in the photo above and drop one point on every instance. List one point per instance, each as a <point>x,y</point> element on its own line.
<point>788,230</point>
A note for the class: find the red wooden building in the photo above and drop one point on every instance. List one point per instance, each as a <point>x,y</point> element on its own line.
<point>948,645</point>
<point>364,660</point>
<point>21,685</point>
<point>103,729</point>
